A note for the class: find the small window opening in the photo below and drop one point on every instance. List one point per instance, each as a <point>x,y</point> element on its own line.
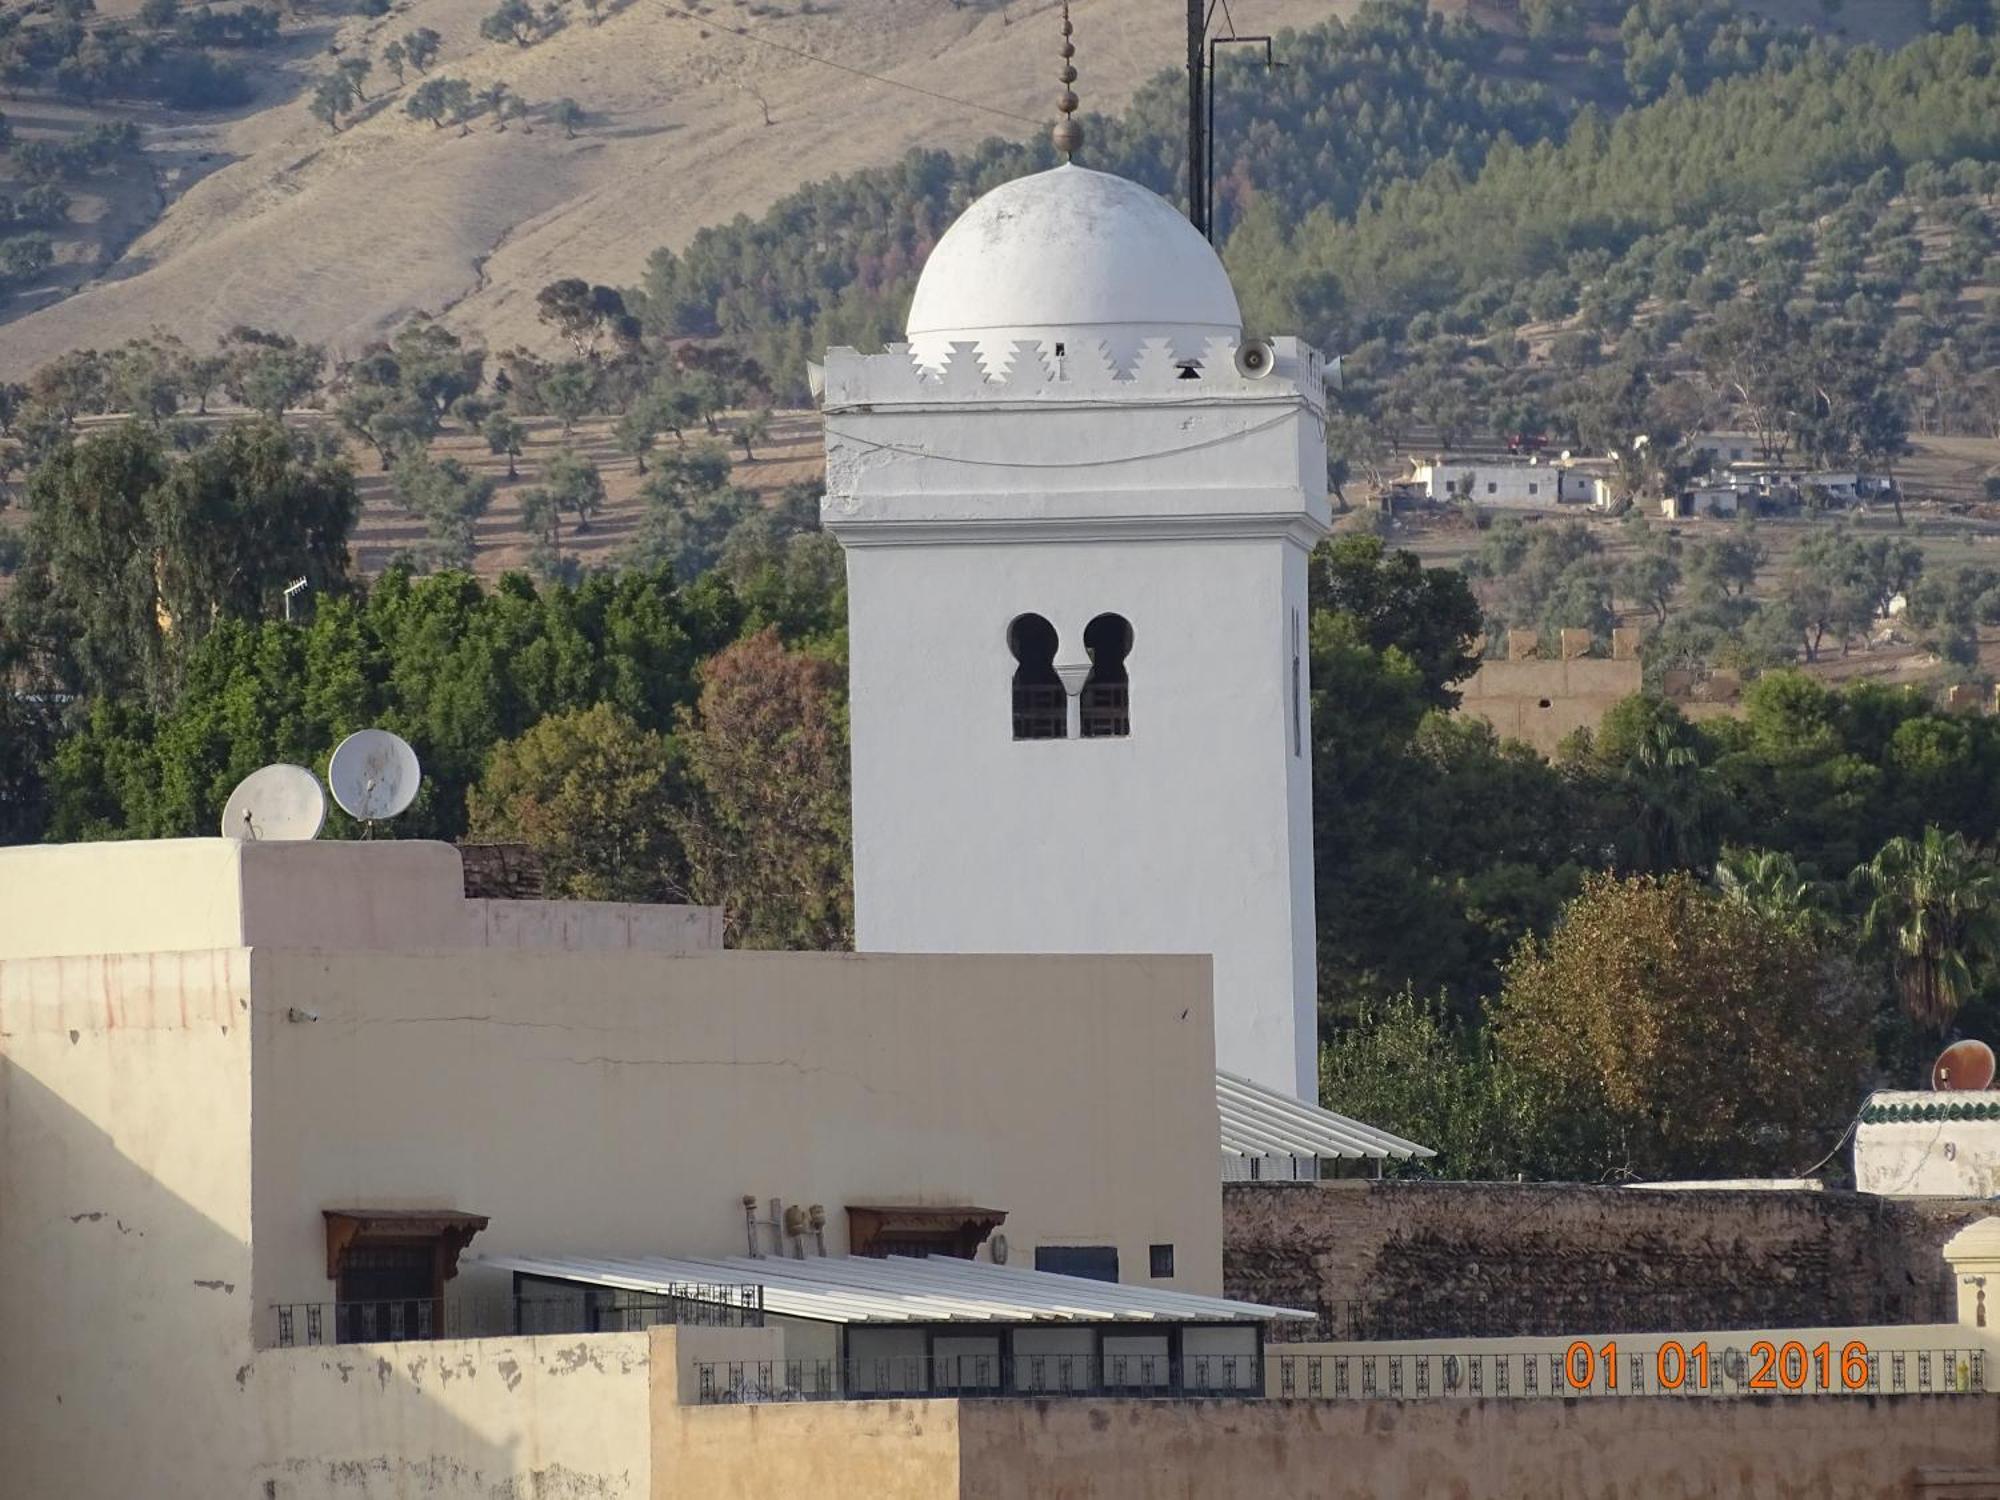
<point>1534,489</point>
<point>1041,710</point>
<point>1190,370</point>
<point>1060,350</point>
<point>1161,1260</point>
<point>1492,488</point>
<point>1106,706</point>
<point>1546,704</point>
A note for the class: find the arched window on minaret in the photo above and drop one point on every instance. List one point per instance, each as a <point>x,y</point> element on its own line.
<point>1107,694</point>
<point>1041,711</point>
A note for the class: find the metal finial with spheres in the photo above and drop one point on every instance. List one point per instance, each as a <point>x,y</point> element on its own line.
<point>1068,135</point>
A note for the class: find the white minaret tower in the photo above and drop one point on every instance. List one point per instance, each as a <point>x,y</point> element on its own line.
<point>1077,509</point>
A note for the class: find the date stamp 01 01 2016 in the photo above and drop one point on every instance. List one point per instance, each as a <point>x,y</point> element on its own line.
<point>1790,1366</point>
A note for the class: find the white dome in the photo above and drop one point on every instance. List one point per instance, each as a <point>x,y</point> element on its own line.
<point>1071,254</point>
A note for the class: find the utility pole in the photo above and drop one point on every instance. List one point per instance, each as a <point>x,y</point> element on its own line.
<point>1197,65</point>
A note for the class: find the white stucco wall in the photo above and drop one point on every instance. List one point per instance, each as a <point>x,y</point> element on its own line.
<point>1927,1158</point>
<point>1176,839</point>
<point>623,1104</point>
<point>169,1137</point>
<point>1070,489</point>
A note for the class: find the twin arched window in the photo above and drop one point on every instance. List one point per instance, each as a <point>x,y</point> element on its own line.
<point>1041,703</point>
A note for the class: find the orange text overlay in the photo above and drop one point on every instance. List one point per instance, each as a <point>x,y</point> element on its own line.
<point>1790,1366</point>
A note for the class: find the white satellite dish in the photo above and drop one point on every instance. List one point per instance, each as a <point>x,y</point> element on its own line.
<point>276,802</point>
<point>374,774</point>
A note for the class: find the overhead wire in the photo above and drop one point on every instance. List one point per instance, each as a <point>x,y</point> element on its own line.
<point>827,62</point>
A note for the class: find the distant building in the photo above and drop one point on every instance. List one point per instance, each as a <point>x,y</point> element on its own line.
<point>1511,486</point>
<point>1725,499</point>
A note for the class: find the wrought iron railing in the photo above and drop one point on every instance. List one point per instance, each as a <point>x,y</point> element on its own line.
<point>587,1310</point>
<point>1675,1367</point>
<point>941,1376</point>
<point>1614,1310</point>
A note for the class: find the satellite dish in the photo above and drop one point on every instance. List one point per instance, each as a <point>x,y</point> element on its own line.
<point>1963,1067</point>
<point>276,802</point>
<point>374,774</point>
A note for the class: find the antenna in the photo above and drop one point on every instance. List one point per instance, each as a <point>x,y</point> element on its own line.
<point>1202,50</point>
<point>1963,1067</point>
<point>374,774</point>
<point>275,803</point>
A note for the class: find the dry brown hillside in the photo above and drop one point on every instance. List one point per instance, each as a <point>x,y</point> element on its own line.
<point>334,237</point>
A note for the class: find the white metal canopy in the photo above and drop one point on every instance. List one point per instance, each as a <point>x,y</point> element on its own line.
<point>1260,1121</point>
<point>900,1289</point>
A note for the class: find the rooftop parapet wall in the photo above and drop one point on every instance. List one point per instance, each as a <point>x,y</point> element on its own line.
<point>186,895</point>
<point>1031,370</point>
<point>1039,448</point>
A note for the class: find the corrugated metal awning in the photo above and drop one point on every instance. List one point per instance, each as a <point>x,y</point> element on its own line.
<point>1260,1121</point>
<point>900,1289</point>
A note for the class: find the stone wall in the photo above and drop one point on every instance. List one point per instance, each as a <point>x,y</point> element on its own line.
<point>1806,1448</point>
<point>1443,1260</point>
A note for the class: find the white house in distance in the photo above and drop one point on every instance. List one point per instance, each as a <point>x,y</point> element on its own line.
<point>1077,507</point>
<point>1511,486</point>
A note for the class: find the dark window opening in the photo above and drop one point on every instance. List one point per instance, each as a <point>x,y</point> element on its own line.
<point>389,1267</point>
<point>1190,370</point>
<point>1107,695</point>
<point>920,1232</point>
<point>1041,708</point>
<point>1093,1262</point>
<point>1161,1260</point>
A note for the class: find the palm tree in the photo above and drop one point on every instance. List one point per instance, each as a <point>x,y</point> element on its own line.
<point>1935,903</point>
<point>1674,803</point>
<point>1770,884</point>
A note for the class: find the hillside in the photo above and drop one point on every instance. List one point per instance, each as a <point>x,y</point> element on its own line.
<point>262,215</point>
<point>333,237</point>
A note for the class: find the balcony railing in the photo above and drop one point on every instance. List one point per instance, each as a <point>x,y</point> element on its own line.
<point>725,1382</point>
<point>1676,1367</point>
<point>1618,1310</point>
<point>583,1311</point>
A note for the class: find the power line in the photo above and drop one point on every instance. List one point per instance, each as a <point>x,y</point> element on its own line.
<point>827,62</point>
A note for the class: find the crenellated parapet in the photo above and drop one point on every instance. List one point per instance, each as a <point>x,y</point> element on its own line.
<point>1062,371</point>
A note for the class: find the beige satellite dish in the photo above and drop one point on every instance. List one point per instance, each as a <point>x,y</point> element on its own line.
<point>275,803</point>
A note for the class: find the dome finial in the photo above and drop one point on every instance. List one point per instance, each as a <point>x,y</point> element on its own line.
<point>1068,135</point>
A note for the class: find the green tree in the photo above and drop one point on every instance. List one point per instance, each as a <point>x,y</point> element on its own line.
<point>135,555</point>
<point>636,432</point>
<point>575,485</point>
<point>512,21</point>
<point>270,372</point>
<point>396,58</point>
<point>333,96</point>
<point>571,392</point>
<point>1682,1033</point>
<point>421,47</point>
<point>596,797</point>
<point>1771,884</point>
<point>1934,905</point>
<point>354,70</point>
<point>753,428</point>
<point>567,113</point>
<point>505,436</point>
<point>766,832</point>
<point>691,510</point>
<point>430,101</point>
<point>1408,1065</point>
<point>450,498</point>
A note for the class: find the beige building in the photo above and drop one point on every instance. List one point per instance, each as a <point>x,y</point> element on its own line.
<point>248,1089</point>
